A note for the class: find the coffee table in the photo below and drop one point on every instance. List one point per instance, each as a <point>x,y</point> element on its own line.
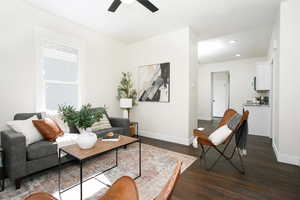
<point>101,147</point>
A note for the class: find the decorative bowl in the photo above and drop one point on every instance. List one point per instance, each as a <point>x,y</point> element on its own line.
<point>87,140</point>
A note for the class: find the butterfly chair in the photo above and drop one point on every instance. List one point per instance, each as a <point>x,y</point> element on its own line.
<point>124,189</point>
<point>206,144</point>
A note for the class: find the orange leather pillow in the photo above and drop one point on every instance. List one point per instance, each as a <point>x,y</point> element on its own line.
<point>48,129</point>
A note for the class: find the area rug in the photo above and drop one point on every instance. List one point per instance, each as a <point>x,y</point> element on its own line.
<point>157,167</point>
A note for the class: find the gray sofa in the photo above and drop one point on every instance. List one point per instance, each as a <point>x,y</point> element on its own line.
<point>21,161</point>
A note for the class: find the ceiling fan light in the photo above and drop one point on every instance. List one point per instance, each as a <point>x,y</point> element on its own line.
<point>128,1</point>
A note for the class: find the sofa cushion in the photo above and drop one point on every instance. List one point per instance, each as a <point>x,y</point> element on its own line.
<point>118,130</point>
<point>41,149</point>
<point>24,116</point>
<point>103,123</point>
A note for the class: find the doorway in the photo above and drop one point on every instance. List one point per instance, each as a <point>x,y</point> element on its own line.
<point>220,93</point>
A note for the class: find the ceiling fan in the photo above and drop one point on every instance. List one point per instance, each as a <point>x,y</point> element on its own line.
<point>116,3</point>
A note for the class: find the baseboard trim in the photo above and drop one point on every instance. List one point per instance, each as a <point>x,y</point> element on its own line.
<point>164,137</point>
<point>285,158</point>
<point>251,133</point>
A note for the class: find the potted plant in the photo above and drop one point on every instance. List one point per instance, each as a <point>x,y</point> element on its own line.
<point>126,93</point>
<point>83,120</point>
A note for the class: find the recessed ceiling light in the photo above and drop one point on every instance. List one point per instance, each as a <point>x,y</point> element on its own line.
<point>238,55</point>
<point>232,41</point>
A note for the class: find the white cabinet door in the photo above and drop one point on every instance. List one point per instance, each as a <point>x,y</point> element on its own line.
<point>263,77</point>
<point>259,121</point>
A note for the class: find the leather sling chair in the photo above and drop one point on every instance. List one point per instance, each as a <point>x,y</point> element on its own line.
<point>125,189</point>
<point>204,141</point>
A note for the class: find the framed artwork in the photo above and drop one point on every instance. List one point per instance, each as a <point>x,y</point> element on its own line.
<point>154,83</point>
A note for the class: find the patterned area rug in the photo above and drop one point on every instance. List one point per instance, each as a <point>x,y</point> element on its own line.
<point>157,167</point>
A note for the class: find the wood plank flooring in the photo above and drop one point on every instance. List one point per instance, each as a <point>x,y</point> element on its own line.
<point>265,178</point>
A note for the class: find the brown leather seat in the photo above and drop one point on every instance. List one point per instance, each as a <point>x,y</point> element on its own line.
<point>203,138</point>
<point>167,191</point>
<point>125,189</point>
<point>40,196</point>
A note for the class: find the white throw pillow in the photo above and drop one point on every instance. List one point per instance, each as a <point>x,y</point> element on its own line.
<point>220,135</point>
<point>60,122</point>
<point>104,123</point>
<point>27,128</point>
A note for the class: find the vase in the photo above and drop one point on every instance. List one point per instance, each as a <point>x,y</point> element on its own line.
<point>87,139</point>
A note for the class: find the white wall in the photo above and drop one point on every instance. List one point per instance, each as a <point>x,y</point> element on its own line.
<point>241,89</point>
<point>18,68</point>
<point>193,78</point>
<point>166,121</point>
<point>289,82</point>
<point>273,55</point>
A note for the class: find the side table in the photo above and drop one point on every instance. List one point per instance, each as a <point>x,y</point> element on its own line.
<point>2,176</point>
<point>134,129</point>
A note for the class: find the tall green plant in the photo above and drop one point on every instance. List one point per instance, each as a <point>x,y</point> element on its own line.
<point>84,118</point>
<point>125,88</point>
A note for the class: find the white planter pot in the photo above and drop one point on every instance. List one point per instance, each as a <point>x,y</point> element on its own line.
<point>87,140</point>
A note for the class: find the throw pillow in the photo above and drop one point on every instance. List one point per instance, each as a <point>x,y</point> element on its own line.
<point>220,135</point>
<point>60,122</point>
<point>27,128</point>
<point>104,123</point>
<point>48,128</point>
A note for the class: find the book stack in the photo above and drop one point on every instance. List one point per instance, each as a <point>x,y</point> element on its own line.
<point>111,137</point>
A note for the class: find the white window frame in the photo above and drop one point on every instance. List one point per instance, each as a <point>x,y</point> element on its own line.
<point>43,37</point>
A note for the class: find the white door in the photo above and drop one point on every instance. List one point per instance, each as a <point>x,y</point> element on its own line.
<point>220,93</point>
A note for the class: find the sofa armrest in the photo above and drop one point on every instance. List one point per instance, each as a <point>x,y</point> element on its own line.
<point>120,122</point>
<point>14,146</point>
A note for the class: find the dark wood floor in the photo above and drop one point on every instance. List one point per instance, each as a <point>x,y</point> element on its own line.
<point>265,178</point>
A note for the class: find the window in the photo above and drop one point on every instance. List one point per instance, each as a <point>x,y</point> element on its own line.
<point>59,76</point>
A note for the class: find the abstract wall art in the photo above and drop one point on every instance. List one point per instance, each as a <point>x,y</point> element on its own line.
<point>154,83</point>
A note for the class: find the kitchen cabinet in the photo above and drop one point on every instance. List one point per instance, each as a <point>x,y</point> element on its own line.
<point>259,121</point>
<point>263,76</point>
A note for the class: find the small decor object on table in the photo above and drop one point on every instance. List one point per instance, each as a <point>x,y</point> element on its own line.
<point>134,129</point>
<point>87,139</point>
<point>111,137</point>
<point>126,94</point>
<point>83,119</point>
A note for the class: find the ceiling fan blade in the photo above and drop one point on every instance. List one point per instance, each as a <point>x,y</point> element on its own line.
<point>148,5</point>
<point>115,5</point>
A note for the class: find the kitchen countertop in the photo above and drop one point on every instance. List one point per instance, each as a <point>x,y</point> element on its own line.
<point>257,105</point>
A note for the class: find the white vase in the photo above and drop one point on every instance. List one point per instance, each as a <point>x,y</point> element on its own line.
<point>87,139</point>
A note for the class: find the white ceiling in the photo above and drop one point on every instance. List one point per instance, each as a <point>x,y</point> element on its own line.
<point>131,23</point>
<point>252,43</point>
